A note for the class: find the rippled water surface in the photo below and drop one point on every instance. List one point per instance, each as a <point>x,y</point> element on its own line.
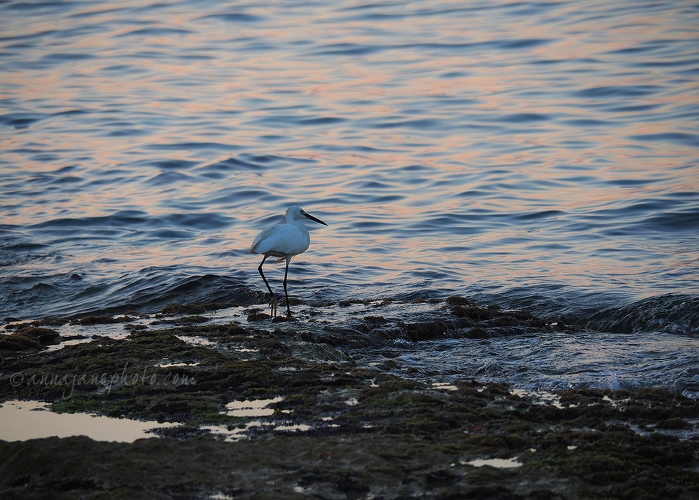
<point>533,152</point>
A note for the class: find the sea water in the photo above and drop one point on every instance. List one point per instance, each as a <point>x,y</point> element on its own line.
<point>534,154</point>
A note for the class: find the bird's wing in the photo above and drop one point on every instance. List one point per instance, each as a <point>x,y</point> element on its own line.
<point>280,240</point>
<point>254,248</point>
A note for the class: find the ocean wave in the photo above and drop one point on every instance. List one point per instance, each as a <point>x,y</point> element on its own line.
<point>672,313</point>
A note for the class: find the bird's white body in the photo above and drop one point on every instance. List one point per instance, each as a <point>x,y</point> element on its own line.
<point>283,241</point>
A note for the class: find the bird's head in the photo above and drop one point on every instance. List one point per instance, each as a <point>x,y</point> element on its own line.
<point>296,212</point>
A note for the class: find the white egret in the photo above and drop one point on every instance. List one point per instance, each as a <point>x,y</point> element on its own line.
<point>283,241</point>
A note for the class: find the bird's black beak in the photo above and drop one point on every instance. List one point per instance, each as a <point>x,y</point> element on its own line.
<point>309,216</point>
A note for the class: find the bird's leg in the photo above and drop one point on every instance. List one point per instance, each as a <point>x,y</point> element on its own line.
<point>286,294</point>
<point>273,303</point>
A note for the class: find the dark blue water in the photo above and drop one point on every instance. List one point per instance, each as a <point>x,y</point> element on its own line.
<point>541,155</point>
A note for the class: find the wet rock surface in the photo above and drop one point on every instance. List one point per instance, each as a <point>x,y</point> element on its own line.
<point>335,429</point>
<point>29,338</point>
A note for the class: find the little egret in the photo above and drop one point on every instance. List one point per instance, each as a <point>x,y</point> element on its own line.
<point>283,241</point>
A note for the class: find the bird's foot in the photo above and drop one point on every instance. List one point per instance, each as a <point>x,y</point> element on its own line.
<point>273,306</point>
<point>283,319</point>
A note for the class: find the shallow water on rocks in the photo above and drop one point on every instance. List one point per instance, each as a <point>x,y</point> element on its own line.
<point>372,334</point>
<point>23,420</point>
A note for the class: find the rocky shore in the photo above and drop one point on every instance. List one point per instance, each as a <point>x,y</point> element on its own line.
<point>334,429</point>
